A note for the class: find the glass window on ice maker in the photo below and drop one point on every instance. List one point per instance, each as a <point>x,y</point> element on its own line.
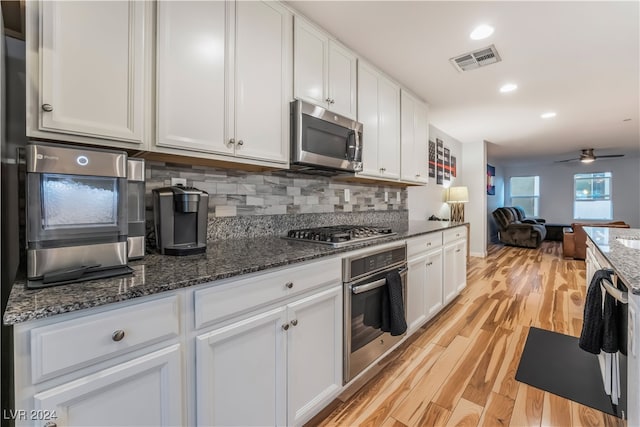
<point>78,201</point>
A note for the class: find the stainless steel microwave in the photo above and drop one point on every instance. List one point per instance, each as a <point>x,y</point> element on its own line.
<point>322,140</point>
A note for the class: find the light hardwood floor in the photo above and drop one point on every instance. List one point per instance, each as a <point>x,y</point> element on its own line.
<point>459,369</point>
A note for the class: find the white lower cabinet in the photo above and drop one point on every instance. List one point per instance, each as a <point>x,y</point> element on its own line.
<point>314,350</point>
<point>241,373</point>
<point>116,366</point>
<point>146,391</point>
<point>424,279</point>
<point>434,288</point>
<point>416,292</point>
<point>279,367</point>
<point>455,269</point>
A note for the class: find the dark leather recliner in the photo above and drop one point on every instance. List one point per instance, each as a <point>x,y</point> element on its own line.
<point>517,230</point>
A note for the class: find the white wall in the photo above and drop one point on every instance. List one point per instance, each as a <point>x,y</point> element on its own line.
<point>427,200</point>
<point>495,201</point>
<point>474,164</point>
<point>556,187</point>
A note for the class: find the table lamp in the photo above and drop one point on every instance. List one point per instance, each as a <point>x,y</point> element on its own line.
<point>457,197</point>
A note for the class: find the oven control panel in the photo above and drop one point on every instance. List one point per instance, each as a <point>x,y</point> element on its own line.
<point>370,263</point>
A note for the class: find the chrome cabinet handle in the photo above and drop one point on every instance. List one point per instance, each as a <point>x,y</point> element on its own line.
<point>333,101</point>
<point>289,285</point>
<point>429,263</point>
<point>47,107</point>
<point>457,250</point>
<point>383,170</point>
<point>328,100</point>
<point>285,326</point>
<point>294,322</point>
<point>232,141</point>
<point>428,243</point>
<point>117,335</point>
<point>241,142</point>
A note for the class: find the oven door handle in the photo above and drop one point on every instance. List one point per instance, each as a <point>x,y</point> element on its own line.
<point>373,285</point>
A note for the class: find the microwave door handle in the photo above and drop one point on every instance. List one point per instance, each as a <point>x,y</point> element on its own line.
<point>354,146</point>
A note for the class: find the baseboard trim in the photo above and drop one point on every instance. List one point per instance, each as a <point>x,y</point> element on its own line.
<point>478,254</point>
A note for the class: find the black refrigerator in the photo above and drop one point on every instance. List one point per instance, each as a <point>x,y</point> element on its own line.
<point>12,136</point>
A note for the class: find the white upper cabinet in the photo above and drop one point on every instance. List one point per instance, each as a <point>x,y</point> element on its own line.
<point>224,80</point>
<point>324,71</point>
<point>191,75</point>
<point>379,113</point>
<point>414,139</point>
<point>87,71</point>
<point>262,87</point>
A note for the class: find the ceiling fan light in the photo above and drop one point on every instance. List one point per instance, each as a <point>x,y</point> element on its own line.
<point>587,160</point>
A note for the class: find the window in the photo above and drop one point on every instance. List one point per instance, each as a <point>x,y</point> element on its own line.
<point>592,196</point>
<point>525,192</point>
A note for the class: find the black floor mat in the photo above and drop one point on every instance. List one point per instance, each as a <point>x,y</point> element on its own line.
<point>553,362</point>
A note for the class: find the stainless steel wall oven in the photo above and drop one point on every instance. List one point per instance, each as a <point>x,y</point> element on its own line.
<point>365,281</point>
<point>76,214</point>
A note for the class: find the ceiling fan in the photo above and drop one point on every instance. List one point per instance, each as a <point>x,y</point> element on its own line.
<point>587,156</point>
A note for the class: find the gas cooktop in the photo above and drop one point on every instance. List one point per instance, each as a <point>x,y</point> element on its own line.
<point>339,235</point>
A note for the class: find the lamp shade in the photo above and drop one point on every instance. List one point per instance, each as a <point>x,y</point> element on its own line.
<point>458,195</point>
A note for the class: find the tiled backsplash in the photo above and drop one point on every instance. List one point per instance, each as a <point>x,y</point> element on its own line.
<point>251,204</point>
<point>240,193</point>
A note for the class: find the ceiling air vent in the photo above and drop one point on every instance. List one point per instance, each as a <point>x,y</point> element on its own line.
<point>479,58</point>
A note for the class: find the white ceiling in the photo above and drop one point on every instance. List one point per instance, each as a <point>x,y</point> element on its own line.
<point>580,59</point>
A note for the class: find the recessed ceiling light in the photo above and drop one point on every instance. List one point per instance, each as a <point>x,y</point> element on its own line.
<point>509,87</point>
<point>548,115</point>
<point>481,32</point>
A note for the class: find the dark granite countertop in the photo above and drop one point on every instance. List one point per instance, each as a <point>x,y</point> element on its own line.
<point>158,273</point>
<point>624,260</point>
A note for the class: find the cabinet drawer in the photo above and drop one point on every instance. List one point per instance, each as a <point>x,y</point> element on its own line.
<point>71,344</point>
<point>421,244</point>
<point>223,301</point>
<point>455,234</point>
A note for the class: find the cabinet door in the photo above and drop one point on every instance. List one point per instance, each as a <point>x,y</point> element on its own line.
<point>450,269</point>
<point>421,143</point>
<point>192,56</point>
<point>92,69</point>
<point>389,128</point>
<point>455,269</point>
<point>142,392</point>
<point>314,342</point>
<point>342,81</point>
<point>241,373</point>
<point>407,137</point>
<point>461,265</point>
<point>310,64</point>
<point>416,292</point>
<point>434,285</point>
<point>262,84</point>
<point>368,116</point>
<point>414,139</point>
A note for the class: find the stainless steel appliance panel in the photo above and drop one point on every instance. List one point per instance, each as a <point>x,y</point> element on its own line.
<point>42,261</point>
<point>76,161</point>
<point>324,140</point>
<point>365,281</point>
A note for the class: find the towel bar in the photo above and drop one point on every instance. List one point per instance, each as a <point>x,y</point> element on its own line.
<point>612,290</point>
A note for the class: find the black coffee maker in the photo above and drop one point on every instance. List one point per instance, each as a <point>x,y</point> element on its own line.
<point>180,217</point>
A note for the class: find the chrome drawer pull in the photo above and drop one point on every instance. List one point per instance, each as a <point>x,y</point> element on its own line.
<point>117,335</point>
